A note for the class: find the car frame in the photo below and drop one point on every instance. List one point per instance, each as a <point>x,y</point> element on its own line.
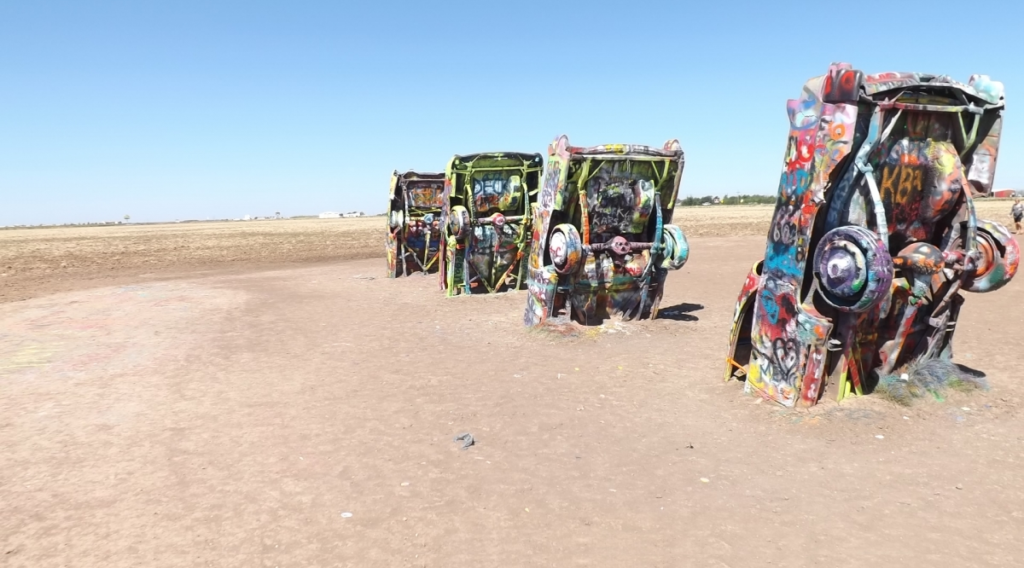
<point>606,251</point>
<point>415,203</point>
<point>874,234</point>
<point>488,204</point>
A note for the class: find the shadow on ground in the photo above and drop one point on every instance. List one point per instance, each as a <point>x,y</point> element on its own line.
<point>680,312</point>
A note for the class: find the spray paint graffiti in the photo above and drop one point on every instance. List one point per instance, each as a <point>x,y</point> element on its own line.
<point>414,223</point>
<point>486,221</point>
<point>426,196</point>
<point>602,243</point>
<point>496,191</point>
<point>873,236</point>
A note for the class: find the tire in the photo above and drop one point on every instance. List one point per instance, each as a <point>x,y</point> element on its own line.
<point>998,260</point>
<point>565,248</point>
<point>853,268</point>
<point>677,250</point>
<point>459,223</point>
<point>396,219</point>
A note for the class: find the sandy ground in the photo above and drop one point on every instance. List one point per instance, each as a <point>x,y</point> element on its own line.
<point>304,416</point>
<point>41,261</point>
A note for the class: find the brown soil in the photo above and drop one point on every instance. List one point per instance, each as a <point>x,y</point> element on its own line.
<point>230,419</point>
<point>34,262</point>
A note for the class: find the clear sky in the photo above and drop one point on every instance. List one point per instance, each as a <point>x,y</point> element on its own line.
<point>214,108</point>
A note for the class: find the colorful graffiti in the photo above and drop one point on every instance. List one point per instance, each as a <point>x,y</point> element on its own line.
<point>426,195</point>
<point>873,236</point>
<point>488,203</point>
<point>496,191</point>
<point>414,223</point>
<point>602,243</point>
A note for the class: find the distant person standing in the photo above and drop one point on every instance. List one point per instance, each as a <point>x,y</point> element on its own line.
<point>1018,215</point>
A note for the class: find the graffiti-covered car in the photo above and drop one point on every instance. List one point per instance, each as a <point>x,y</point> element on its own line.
<point>874,235</point>
<point>488,199</point>
<point>414,222</point>
<point>603,241</point>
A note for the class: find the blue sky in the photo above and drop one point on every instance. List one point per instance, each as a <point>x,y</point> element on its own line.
<point>197,109</point>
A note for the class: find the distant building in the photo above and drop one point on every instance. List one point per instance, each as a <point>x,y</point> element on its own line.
<point>330,215</point>
<point>353,214</point>
<point>1006,193</point>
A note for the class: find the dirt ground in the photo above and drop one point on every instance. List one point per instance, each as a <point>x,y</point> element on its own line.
<point>157,409</point>
<point>41,261</point>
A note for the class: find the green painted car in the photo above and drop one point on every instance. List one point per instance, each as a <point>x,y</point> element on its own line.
<point>486,221</point>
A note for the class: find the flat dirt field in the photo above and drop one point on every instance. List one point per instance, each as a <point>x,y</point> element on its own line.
<point>257,394</point>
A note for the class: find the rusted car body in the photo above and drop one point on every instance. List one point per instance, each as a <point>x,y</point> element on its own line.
<point>874,235</point>
<point>487,207</point>
<point>414,222</point>
<point>603,241</point>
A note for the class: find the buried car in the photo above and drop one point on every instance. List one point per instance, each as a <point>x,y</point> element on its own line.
<point>602,239</point>
<point>414,218</point>
<point>488,203</point>
<point>874,235</point>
